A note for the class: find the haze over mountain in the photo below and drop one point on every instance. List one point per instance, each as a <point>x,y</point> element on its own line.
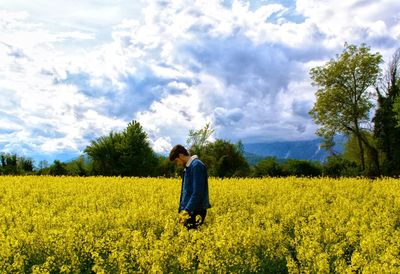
<point>305,150</point>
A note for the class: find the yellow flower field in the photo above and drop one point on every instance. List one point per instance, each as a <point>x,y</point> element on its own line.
<point>128,225</point>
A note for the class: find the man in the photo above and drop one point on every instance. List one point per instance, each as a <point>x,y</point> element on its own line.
<point>194,200</point>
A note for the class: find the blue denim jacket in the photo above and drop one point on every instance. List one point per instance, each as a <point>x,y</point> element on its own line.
<point>194,194</point>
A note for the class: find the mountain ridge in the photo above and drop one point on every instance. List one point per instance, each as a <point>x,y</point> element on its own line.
<point>302,150</point>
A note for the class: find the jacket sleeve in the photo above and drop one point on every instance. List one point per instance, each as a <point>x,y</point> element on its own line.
<point>199,179</point>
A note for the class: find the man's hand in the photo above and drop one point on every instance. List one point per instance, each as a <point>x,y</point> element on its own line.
<point>183,217</point>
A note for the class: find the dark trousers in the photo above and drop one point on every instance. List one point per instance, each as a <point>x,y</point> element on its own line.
<point>196,219</point>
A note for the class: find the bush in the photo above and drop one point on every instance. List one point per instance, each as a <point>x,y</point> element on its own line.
<point>337,166</point>
<point>268,167</point>
<point>294,167</point>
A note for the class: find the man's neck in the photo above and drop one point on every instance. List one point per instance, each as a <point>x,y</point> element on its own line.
<point>190,159</point>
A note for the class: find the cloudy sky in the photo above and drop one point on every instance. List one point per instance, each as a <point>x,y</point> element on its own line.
<point>71,71</point>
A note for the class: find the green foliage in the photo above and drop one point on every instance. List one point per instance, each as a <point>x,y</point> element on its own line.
<point>343,101</point>
<point>123,154</point>
<point>81,166</point>
<point>352,152</point>
<point>197,139</point>
<point>343,98</point>
<point>26,165</point>
<point>396,109</point>
<point>78,167</point>
<point>386,129</point>
<point>58,168</point>
<point>224,159</point>
<point>337,166</point>
<point>167,168</point>
<point>11,164</point>
<point>137,157</point>
<point>328,144</point>
<point>252,159</point>
<point>295,167</point>
<point>268,167</point>
<point>104,154</point>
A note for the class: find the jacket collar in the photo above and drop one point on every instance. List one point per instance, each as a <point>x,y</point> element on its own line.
<point>191,160</point>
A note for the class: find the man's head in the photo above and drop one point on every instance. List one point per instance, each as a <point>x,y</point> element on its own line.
<point>179,154</point>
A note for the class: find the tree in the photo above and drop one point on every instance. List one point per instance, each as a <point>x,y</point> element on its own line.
<point>43,164</point>
<point>197,139</point>
<point>343,97</point>
<point>137,157</point>
<point>104,155</point>
<point>338,166</point>
<point>386,131</point>
<point>224,159</point>
<point>9,164</point>
<point>167,168</point>
<point>58,168</point>
<point>123,154</point>
<point>78,167</point>
<point>352,151</point>
<point>25,165</point>
<point>396,109</point>
<point>268,167</point>
<point>295,167</point>
<point>328,144</point>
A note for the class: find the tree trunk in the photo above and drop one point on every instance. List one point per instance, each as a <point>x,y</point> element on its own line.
<point>360,145</point>
<point>373,153</point>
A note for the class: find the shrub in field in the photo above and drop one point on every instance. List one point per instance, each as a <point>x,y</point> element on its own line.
<point>268,167</point>
<point>294,167</point>
<point>337,166</point>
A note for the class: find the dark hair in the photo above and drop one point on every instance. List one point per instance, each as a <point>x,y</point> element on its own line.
<point>176,150</point>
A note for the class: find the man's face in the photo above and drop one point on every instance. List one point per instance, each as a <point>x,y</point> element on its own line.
<point>178,161</point>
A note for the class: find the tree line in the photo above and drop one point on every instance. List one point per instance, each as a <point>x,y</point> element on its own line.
<point>354,98</point>
<point>128,153</point>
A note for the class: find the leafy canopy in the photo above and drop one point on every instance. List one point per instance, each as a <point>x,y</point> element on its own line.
<point>343,97</point>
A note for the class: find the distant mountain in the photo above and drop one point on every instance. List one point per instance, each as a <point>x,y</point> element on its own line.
<point>252,158</point>
<point>305,150</point>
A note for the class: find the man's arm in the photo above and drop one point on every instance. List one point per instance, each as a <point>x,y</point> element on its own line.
<point>199,178</point>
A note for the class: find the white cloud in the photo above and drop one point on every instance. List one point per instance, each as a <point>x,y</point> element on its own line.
<point>42,113</point>
<point>173,116</point>
<point>352,21</point>
<point>173,66</point>
<point>92,16</point>
<point>162,144</point>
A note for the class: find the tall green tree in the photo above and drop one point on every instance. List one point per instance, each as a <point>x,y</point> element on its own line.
<point>351,150</point>
<point>137,157</point>
<point>339,166</point>
<point>78,167</point>
<point>58,168</point>
<point>25,165</point>
<point>123,154</point>
<point>224,159</point>
<point>344,98</point>
<point>197,139</point>
<point>396,109</point>
<point>9,164</point>
<point>386,131</point>
<point>296,167</point>
<point>104,155</point>
<point>268,167</point>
